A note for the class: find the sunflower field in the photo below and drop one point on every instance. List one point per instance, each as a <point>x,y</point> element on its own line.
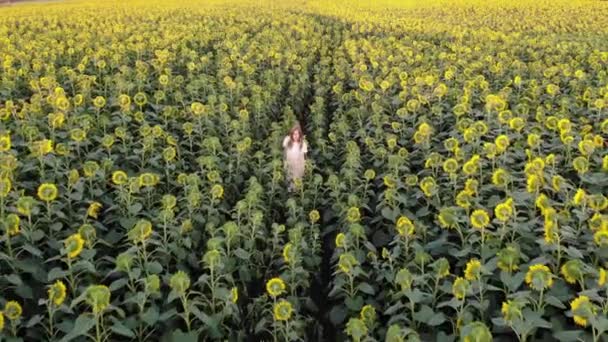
<point>455,190</point>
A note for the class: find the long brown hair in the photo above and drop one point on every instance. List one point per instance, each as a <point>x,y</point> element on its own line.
<point>295,128</point>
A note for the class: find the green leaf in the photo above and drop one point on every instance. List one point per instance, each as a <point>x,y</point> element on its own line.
<point>150,317</point>
<point>83,324</point>
<point>179,336</point>
<point>34,321</point>
<point>366,288</point>
<point>241,254</point>
<point>56,273</point>
<point>154,267</point>
<point>568,335</point>
<point>437,319</point>
<point>118,284</point>
<point>122,330</point>
<point>553,301</point>
<point>14,279</point>
<point>337,315</point>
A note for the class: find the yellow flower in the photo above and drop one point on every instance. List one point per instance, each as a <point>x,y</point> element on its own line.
<point>353,215</point>
<point>582,310</point>
<point>180,282</point>
<point>347,262</point>
<point>217,191</point>
<point>368,314</point>
<point>1,321</point>
<point>428,186</point>
<point>601,238</point>
<point>5,187</point>
<point>450,165</point>
<point>580,164</point>
<point>141,231</point>
<point>98,297</point>
<point>234,295</point>
<point>119,177</point>
<point>57,293</point>
<point>542,203</point>
<point>99,101</point>
<point>533,183</point>
<point>511,310</point>
<point>405,227</point>
<point>93,210</point>
<point>288,252</point>
<point>12,224</point>
<point>447,218</point>
<point>340,240</point>
<point>480,219</point>
<point>148,179</point>
<point>275,287</point>
<point>572,271</point>
<point>504,210</point>
<point>463,199</point>
<point>508,258</point>
<point>579,197</point>
<point>502,143</point>
<point>47,192</point>
<point>282,310</point>
<point>602,276</point>
<point>5,142</point>
<point>13,310</point>
<point>473,270</point>
<point>500,177</point>
<point>460,288</point>
<point>314,216</point>
<point>73,245</point>
<point>539,277</point>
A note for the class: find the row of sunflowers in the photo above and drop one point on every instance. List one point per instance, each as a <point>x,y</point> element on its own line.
<point>455,187</point>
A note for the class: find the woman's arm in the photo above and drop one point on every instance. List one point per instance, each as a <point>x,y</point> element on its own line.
<point>285,142</point>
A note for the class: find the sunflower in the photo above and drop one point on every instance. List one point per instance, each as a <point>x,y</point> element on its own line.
<point>347,262</point>
<point>12,310</point>
<point>460,288</point>
<point>57,293</point>
<point>480,219</point>
<point>314,216</point>
<point>12,224</point>
<point>539,277</point>
<point>356,329</point>
<point>353,215</point>
<point>234,295</point>
<point>275,287</point>
<point>582,310</point>
<point>368,314</point>
<point>572,271</point>
<point>288,253</point>
<point>340,240</point>
<point>473,270</point>
<point>511,310</point>
<point>93,210</point>
<point>504,210</point>
<point>404,279</point>
<point>5,142</point>
<point>602,276</point>
<point>5,187</point>
<point>447,218</point>
<point>404,226</point>
<point>500,177</point>
<point>98,297</point>
<point>73,245</point>
<point>180,282</point>
<point>47,192</point>
<point>508,258</point>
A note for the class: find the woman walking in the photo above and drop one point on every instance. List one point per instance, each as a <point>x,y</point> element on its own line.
<point>295,147</point>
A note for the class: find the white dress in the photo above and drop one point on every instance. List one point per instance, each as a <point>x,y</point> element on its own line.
<point>295,158</point>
